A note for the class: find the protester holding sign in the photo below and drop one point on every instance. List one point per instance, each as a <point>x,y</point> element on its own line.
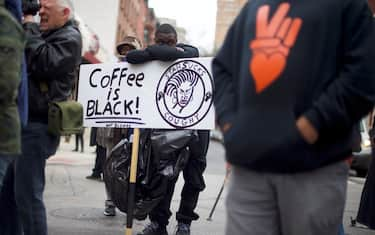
<point>107,138</point>
<point>166,49</point>
<point>310,65</point>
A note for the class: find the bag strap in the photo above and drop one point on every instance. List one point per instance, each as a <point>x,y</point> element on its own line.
<point>43,86</point>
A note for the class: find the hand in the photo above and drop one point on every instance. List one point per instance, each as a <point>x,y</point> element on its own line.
<point>225,127</point>
<point>307,130</point>
<point>349,161</point>
<point>271,46</point>
<point>228,169</point>
<point>28,19</point>
<point>228,166</point>
<point>180,49</point>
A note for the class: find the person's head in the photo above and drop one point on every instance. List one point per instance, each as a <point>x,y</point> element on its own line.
<point>372,5</point>
<point>55,13</point>
<point>166,35</point>
<point>127,44</point>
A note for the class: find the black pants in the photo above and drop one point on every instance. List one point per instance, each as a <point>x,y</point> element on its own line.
<point>366,212</point>
<point>29,179</point>
<point>99,160</point>
<point>10,223</point>
<point>194,184</point>
<point>79,139</point>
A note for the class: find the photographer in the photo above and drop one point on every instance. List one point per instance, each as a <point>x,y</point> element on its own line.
<point>53,52</point>
<point>167,49</point>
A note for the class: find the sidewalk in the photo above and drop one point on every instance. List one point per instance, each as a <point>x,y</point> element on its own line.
<point>75,204</point>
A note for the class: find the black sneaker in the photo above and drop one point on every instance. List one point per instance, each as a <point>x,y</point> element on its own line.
<point>94,177</point>
<point>183,229</point>
<point>109,208</point>
<point>154,229</point>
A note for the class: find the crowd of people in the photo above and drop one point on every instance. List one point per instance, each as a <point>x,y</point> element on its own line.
<point>298,75</point>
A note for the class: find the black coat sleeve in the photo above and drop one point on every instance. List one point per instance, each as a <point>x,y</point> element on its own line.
<point>189,50</point>
<point>222,69</point>
<point>138,56</point>
<point>45,59</point>
<point>352,94</point>
<point>161,52</point>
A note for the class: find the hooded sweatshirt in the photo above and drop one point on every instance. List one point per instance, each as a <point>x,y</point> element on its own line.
<point>285,59</point>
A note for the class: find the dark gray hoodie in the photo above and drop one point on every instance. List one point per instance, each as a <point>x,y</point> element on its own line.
<point>285,59</point>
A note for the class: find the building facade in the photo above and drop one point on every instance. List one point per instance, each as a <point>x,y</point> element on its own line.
<point>135,19</point>
<point>97,31</point>
<point>227,10</point>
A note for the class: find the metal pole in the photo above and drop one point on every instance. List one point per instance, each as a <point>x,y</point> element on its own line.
<point>219,195</point>
<point>132,181</point>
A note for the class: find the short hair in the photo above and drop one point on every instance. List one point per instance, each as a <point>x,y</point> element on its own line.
<point>166,28</point>
<point>68,4</point>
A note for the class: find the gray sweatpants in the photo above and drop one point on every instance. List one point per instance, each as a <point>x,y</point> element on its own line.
<point>310,203</point>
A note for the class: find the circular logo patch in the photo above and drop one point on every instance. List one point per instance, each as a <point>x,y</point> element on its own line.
<point>184,94</point>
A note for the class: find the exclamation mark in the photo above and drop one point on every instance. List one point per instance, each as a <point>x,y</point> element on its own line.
<point>137,105</point>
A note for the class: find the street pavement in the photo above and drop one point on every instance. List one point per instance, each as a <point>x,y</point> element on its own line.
<point>75,204</point>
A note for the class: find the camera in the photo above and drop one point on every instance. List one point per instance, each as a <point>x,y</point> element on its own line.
<point>30,7</point>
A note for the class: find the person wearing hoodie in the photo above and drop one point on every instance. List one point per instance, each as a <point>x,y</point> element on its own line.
<point>167,49</point>
<point>308,65</point>
<point>8,221</point>
<point>107,138</point>
<point>12,44</point>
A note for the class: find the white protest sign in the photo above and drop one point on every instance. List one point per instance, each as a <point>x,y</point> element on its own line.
<point>156,94</point>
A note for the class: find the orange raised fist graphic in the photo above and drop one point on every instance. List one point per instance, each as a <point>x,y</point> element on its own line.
<point>271,46</point>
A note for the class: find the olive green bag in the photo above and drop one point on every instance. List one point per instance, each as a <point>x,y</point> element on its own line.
<point>65,118</point>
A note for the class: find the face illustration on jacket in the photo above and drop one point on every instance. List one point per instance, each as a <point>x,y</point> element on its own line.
<point>274,39</point>
<point>181,88</point>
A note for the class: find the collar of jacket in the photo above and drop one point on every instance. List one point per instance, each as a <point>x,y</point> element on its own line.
<point>49,32</point>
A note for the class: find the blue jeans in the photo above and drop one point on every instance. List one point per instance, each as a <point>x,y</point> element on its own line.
<point>9,219</point>
<point>341,231</point>
<point>37,146</point>
<point>5,160</point>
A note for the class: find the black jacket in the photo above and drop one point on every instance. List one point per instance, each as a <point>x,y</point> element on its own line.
<point>328,76</point>
<point>53,58</point>
<point>168,53</point>
<point>162,52</point>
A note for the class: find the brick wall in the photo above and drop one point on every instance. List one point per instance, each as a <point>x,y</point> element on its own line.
<point>227,10</point>
<point>133,19</point>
